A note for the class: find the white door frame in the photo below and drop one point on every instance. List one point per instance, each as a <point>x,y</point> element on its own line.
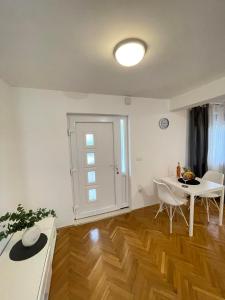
<point>92,118</point>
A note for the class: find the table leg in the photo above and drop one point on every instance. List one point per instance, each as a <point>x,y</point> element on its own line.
<point>221,207</point>
<point>191,216</point>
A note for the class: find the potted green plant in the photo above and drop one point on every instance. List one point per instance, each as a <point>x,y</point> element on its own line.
<point>22,219</point>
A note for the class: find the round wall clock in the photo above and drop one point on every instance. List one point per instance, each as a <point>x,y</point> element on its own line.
<point>164,123</point>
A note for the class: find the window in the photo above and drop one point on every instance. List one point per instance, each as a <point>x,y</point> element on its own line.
<point>123,146</point>
<point>92,195</point>
<point>90,158</point>
<point>91,177</point>
<point>216,137</point>
<point>90,139</point>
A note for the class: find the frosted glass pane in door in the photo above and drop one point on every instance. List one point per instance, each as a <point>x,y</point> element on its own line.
<point>92,195</point>
<point>89,139</point>
<point>90,158</point>
<point>91,177</point>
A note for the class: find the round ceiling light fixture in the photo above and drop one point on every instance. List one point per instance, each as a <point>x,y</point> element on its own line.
<point>130,52</point>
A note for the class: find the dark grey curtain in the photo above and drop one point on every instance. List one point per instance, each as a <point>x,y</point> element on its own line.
<point>198,139</point>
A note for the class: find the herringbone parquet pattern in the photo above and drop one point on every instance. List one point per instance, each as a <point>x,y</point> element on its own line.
<point>133,257</point>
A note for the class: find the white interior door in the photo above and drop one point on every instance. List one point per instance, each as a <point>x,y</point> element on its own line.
<point>96,169</point>
<point>99,172</point>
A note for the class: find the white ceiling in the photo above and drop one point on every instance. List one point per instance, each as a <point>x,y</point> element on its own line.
<point>67,45</point>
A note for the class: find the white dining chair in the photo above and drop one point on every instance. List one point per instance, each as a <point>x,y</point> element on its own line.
<point>170,202</point>
<point>208,198</point>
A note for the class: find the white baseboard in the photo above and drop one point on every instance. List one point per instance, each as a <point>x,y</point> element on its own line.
<point>102,216</point>
<point>111,214</point>
<point>145,204</point>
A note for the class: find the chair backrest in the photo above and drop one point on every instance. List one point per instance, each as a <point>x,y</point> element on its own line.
<point>214,176</point>
<point>165,194</point>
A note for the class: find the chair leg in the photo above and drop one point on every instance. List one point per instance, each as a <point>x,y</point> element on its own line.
<point>207,209</point>
<point>181,211</point>
<point>202,201</point>
<point>171,219</point>
<point>215,203</point>
<point>167,210</point>
<point>159,210</point>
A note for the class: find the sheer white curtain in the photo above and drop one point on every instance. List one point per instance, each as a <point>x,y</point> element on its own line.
<point>216,146</point>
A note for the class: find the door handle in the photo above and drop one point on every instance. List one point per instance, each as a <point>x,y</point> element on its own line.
<point>115,168</point>
<point>73,170</point>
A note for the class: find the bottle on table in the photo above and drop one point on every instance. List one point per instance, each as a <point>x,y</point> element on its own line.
<point>178,170</point>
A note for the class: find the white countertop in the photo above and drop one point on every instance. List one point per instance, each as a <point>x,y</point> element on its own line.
<point>21,280</point>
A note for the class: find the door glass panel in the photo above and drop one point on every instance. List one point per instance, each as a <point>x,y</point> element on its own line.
<point>123,146</point>
<point>90,158</point>
<point>92,195</point>
<point>91,177</point>
<point>90,139</point>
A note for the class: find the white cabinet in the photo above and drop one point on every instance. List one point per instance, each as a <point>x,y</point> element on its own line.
<point>47,274</point>
<point>30,278</point>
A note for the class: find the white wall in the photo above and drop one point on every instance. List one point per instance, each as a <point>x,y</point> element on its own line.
<point>10,191</point>
<point>44,151</point>
<point>203,94</point>
<point>10,188</point>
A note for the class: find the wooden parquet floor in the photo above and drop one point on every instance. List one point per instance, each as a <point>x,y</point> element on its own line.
<point>133,256</point>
